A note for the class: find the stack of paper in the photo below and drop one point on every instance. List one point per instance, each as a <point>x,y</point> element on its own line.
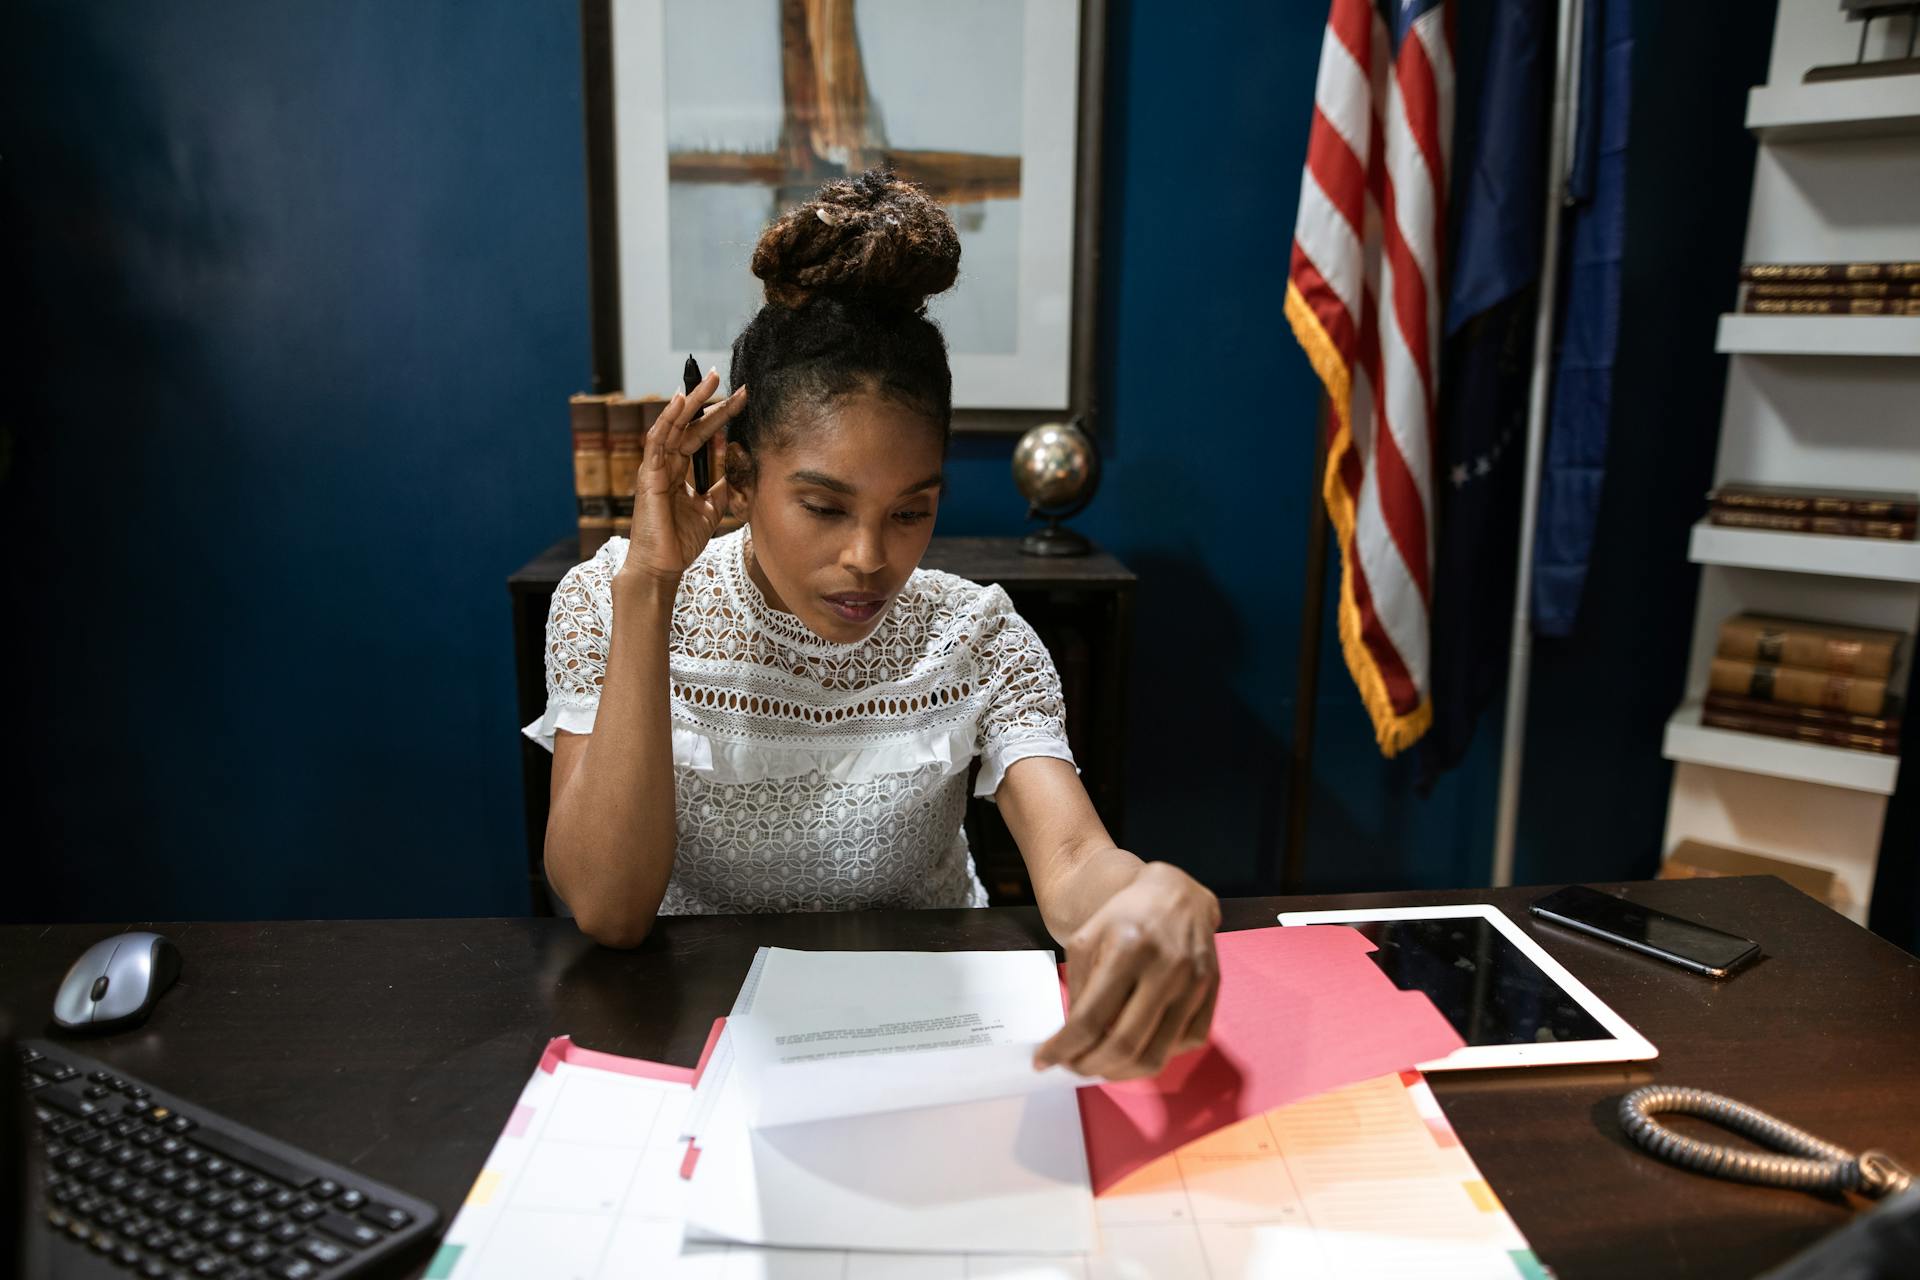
<point>887,1100</point>
<point>863,1106</point>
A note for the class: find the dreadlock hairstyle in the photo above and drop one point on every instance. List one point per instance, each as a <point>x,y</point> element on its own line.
<point>848,274</point>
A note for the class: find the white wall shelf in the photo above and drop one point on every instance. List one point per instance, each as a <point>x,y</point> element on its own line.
<point>1818,335</point>
<point>1688,741</point>
<point>1836,178</point>
<point>1882,558</point>
<point>1872,107</point>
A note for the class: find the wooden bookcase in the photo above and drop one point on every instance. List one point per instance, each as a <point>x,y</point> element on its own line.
<point>1812,400</point>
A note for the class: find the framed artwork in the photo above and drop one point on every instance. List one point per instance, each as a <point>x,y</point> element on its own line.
<point>705,118</point>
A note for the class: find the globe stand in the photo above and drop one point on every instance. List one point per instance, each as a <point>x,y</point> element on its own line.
<point>1055,540</point>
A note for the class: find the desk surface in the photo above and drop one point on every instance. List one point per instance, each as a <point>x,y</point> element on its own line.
<point>398,1047</point>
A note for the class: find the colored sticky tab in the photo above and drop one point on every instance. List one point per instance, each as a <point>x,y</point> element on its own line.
<point>1529,1267</point>
<point>1482,1196</point>
<point>445,1261</point>
<point>1301,1010</point>
<point>484,1186</point>
<point>562,1049</point>
<point>706,1050</point>
<point>517,1122</point>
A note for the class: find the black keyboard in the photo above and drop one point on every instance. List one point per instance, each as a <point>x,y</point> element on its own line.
<point>141,1183</point>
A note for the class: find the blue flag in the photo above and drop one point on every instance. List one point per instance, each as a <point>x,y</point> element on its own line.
<point>1485,364</point>
<point>1588,320</point>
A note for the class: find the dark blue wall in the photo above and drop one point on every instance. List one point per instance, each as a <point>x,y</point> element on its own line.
<point>305,293</point>
<point>304,286</point>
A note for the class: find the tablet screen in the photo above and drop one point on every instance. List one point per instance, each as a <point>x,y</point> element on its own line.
<point>1489,989</point>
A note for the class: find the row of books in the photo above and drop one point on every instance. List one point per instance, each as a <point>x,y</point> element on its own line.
<point>1831,288</point>
<point>607,431</point>
<point>1811,681</point>
<point>1784,508</point>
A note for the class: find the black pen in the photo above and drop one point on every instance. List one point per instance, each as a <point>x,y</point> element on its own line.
<point>701,477</point>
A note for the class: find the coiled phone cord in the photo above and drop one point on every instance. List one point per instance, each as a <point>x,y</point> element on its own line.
<point>1813,1165</point>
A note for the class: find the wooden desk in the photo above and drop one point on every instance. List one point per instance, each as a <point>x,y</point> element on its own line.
<point>1081,607</point>
<point>399,1047</point>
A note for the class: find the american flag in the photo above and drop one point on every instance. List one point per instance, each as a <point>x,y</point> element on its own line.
<point>1363,297</point>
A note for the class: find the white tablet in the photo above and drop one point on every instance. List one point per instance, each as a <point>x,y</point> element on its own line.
<point>1513,1004</point>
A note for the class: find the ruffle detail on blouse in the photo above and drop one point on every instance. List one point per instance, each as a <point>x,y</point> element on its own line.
<point>574,713</point>
<point>720,761</point>
<point>1001,756</point>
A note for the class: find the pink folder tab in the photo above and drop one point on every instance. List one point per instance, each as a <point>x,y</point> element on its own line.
<point>562,1049</point>
<point>1301,1010</point>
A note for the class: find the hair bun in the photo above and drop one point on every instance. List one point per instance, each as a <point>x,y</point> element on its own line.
<point>875,237</point>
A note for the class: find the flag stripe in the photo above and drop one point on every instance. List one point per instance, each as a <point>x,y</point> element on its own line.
<point>1332,313</point>
<point>1340,92</point>
<point>1341,178</point>
<point>1325,235</point>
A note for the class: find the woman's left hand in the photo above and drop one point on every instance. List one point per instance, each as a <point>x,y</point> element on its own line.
<point>1143,977</point>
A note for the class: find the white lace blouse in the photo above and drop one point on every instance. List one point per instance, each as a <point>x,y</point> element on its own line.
<point>810,775</point>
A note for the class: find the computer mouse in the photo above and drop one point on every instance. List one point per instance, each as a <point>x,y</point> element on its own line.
<point>116,982</point>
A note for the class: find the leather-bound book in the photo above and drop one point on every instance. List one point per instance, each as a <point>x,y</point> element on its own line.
<point>592,486</point>
<point>1885,725</point>
<point>1863,504</point>
<point>1831,306</point>
<point>1833,526</point>
<point>1862,695</point>
<point>1825,735</point>
<point>1813,646</point>
<point>623,459</point>
<point>1835,289</point>
<point>1802,272</point>
<point>628,422</point>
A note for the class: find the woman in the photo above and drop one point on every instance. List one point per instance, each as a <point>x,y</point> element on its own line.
<point>783,718</point>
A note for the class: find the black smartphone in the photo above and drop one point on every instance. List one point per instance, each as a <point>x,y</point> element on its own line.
<point>1654,933</point>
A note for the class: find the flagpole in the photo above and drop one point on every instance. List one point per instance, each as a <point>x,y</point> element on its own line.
<point>1306,679</point>
<point>1513,744</point>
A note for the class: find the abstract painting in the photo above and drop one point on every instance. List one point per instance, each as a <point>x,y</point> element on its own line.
<point>727,111</point>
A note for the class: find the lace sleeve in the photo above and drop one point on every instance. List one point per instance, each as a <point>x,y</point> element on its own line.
<point>579,630</point>
<point>1025,714</point>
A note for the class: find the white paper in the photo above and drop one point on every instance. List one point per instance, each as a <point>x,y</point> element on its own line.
<point>1015,994</point>
<point>870,1039</point>
<point>1004,1175</point>
<point>785,1088</point>
<point>826,1034</point>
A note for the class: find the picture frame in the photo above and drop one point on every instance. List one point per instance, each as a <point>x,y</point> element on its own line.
<point>687,157</point>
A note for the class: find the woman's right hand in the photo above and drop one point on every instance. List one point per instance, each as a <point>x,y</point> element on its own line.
<point>671,523</point>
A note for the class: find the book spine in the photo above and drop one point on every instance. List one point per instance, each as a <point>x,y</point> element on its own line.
<point>1885,726</point>
<point>1815,651</point>
<point>1735,498</point>
<point>1826,735</point>
<point>1835,289</point>
<point>1829,271</point>
<point>1837,526</point>
<point>623,460</point>
<point>1831,306</point>
<point>1859,694</point>
<point>591,486</point>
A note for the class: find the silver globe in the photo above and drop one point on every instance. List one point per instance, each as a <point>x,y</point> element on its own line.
<point>1053,466</point>
<point>1056,469</point>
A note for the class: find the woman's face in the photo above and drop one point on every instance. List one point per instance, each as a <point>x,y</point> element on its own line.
<point>842,515</point>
